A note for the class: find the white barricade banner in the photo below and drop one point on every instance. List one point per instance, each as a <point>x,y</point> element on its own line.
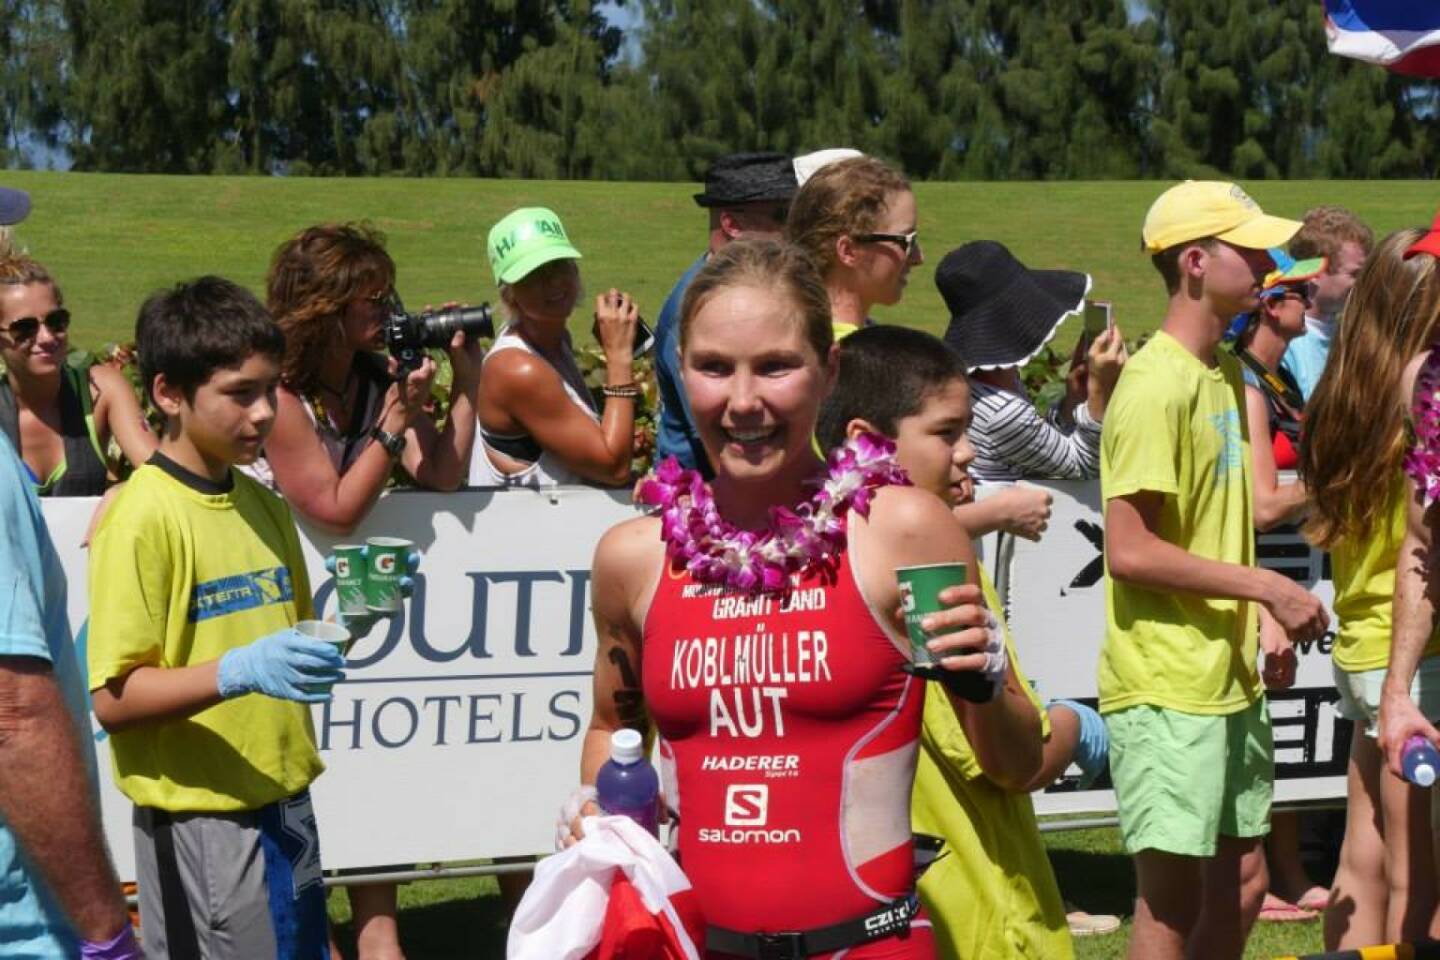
<point>456,734</point>
<point>1056,603</point>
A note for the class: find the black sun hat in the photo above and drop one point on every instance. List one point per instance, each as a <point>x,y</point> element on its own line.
<point>748,178</point>
<point>1001,311</point>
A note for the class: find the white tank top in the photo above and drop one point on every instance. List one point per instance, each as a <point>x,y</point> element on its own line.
<point>548,470</point>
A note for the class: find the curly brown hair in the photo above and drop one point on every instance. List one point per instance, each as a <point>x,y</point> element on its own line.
<point>313,277</point>
<point>1355,426</point>
<point>1325,230</point>
<point>847,197</point>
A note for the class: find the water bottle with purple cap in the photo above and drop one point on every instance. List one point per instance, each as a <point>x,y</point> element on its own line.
<point>627,784</point>
<point>1420,761</point>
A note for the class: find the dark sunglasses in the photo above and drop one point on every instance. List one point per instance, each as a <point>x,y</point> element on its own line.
<point>24,329</point>
<point>906,241</point>
<point>1304,292</point>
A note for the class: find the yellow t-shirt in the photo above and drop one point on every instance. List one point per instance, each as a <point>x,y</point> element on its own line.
<point>179,577</point>
<point>1364,575</point>
<point>1175,426</point>
<point>991,893</point>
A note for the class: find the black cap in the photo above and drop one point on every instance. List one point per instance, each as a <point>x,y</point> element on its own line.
<point>748,178</point>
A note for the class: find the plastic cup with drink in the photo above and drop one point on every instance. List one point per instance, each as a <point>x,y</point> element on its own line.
<point>920,588</point>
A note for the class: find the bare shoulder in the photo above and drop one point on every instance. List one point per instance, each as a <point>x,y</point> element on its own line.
<point>630,547</point>
<point>902,512</point>
<point>907,527</point>
<point>628,563</point>
<point>516,372</point>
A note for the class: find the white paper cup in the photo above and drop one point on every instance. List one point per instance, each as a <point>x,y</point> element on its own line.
<point>328,632</point>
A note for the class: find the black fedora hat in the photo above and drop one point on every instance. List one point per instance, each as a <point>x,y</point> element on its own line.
<point>1001,311</point>
<point>748,178</point>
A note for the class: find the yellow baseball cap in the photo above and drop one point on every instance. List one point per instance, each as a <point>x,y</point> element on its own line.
<point>1197,209</point>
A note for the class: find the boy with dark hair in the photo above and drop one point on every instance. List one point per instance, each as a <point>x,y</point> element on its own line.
<point>993,884</point>
<point>1191,753</point>
<point>197,580</point>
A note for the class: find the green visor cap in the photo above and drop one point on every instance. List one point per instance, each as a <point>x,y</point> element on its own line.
<point>1288,272</point>
<point>526,239</point>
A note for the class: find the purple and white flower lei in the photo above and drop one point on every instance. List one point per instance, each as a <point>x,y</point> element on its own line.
<point>1422,462</point>
<point>714,551</point>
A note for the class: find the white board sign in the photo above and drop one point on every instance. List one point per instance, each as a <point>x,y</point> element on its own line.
<point>457,732</point>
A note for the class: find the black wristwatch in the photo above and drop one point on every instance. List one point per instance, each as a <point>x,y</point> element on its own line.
<point>394,443</point>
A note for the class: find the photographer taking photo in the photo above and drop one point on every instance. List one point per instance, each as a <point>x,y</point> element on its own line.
<point>345,413</point>
<point>538,424</point>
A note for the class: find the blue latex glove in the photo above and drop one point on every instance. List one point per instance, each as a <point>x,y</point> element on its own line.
<point>1092,750</point>
<point>281,665</point>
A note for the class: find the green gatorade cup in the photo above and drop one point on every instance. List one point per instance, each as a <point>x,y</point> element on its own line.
<point>384,566</point>
<point>350,578</point>
<point>920,588</point>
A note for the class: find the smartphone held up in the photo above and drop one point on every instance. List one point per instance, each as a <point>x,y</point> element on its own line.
<point>1098,318</point>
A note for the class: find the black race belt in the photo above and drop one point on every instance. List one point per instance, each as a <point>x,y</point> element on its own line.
<point>891,920</point>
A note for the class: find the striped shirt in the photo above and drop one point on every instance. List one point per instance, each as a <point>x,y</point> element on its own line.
<point>1013,441</point>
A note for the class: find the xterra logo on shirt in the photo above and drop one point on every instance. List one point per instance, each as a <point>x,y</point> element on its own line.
<point>243,591</point>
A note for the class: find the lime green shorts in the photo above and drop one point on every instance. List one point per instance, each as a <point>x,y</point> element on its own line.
<point>1184,779</point>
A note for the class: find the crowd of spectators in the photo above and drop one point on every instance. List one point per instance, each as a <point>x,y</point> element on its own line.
<point>1189,438</point>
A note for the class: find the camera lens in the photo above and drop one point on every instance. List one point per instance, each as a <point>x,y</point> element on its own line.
<point>441,325</point>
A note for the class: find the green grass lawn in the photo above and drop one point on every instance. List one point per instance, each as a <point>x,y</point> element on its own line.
<point>110,239</point>
<point>443,919</point>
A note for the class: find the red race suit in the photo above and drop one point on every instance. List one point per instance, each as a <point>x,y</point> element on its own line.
<point>789,737</point>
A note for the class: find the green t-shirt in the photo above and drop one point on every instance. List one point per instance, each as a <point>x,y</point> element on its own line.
<point>179,577</point>
<point>1175,426</point>
<point>991,893</point>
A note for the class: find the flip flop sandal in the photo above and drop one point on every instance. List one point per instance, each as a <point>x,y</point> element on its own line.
<point>1317,898</point>
<point>1084,924</point>
<point>1275,910</point>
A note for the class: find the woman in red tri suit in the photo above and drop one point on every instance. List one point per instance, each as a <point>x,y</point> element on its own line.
<point>788,725</point>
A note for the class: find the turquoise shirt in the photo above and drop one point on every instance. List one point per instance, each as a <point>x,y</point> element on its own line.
<point>33,623</point>
<point>1306,355</point>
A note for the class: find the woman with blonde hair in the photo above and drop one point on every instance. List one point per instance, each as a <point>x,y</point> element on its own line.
<point>1351,461</point>
<point>60,418</point>
<point>538,423</point>
<point>856,219</point>
<point>347,414</point>
<point>723,565</point>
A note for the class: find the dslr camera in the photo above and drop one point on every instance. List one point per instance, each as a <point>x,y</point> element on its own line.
<point>407,335</point>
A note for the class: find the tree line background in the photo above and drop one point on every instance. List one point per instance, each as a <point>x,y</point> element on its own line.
<point>655,89</point>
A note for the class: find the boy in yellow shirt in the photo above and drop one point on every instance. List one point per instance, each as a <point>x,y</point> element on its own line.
<point>990,892</point>
<point>1191,754</point>
<point>196,581</point>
